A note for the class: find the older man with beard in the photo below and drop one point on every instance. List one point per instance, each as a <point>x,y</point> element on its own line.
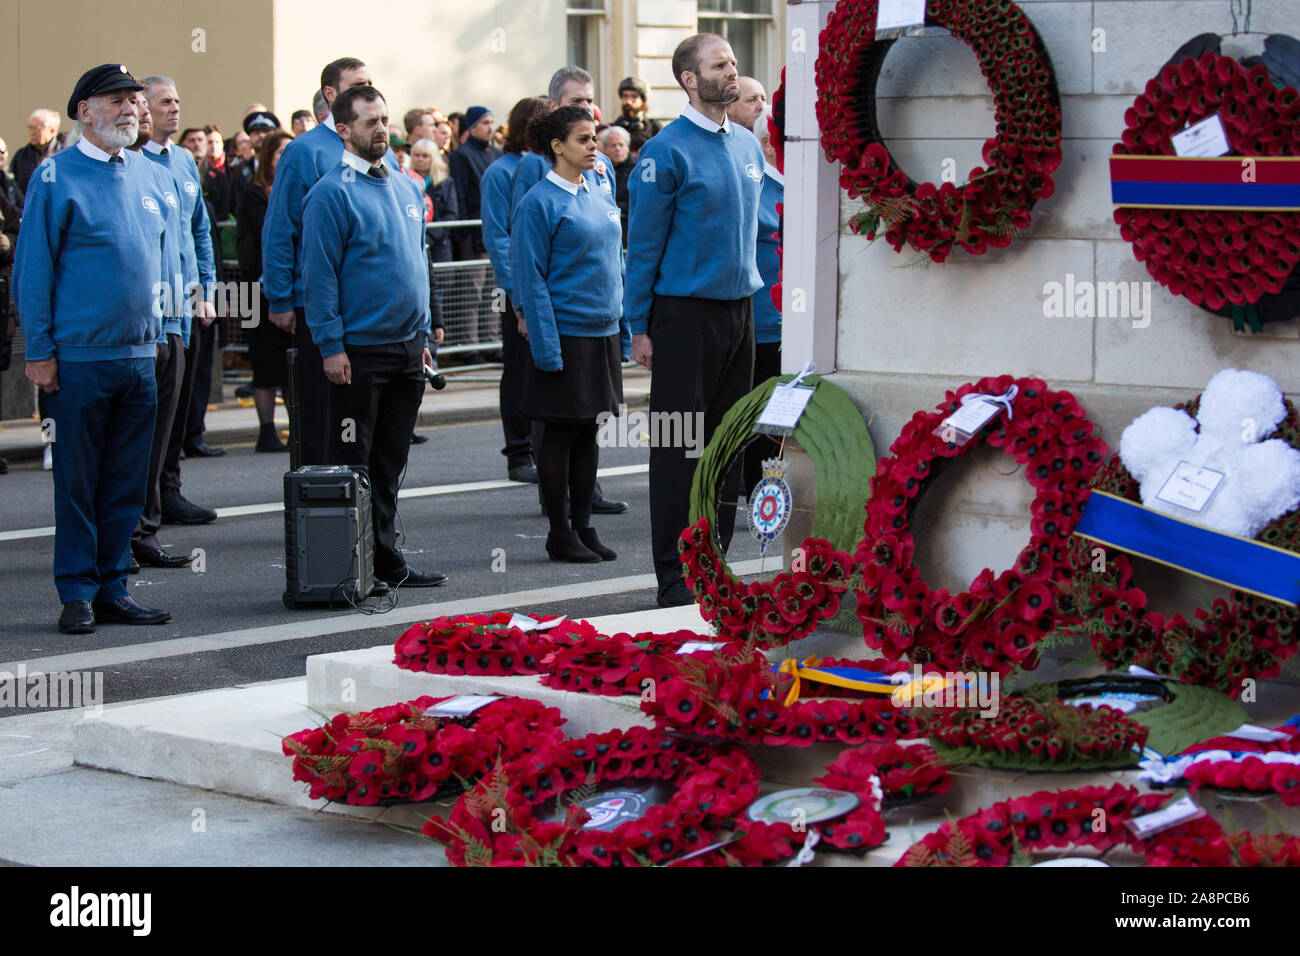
<point>92,254</point>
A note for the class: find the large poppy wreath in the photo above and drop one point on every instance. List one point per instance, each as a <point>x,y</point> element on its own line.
<point>1244,636</point>
<point>791,605</point>
<point>1237,263</point>
<point>499,822</point>
<point>996,624</point>
<point>994,204</point>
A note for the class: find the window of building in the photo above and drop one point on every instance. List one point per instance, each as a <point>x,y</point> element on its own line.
<point>586,22</point>
<point>748,26</point>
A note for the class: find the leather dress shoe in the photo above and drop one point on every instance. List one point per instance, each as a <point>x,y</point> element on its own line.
<point>525,473</point>
<point>125,610</point>
<point>177,509</point>
<point>134,566</point>
<point>418,439</point>
<point>600,505</point>
<point>77,618</point>
<point>408,577</point>
<point>676,594</point>
<point>201,449</point>
<point>158,558</point>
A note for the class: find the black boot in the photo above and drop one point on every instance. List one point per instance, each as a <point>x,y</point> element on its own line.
<point>588,537</point>
<point>566,546</point>
<point>269,440</point>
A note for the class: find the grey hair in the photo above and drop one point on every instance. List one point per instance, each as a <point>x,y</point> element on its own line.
<point>149,82</point>
<point>564,76</point>
<point>617,132</point>
<point>320,106</point>
<point>50,117</point>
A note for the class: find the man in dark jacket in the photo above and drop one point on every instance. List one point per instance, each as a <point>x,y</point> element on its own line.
<point>468,163</point>
<point>43,140</point>
<point>634,97</point>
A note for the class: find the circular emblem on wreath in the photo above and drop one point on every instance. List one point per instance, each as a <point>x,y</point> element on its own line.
<point>770,503</point>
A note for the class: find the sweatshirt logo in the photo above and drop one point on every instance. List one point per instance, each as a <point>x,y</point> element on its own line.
<point>412,212</point>
<point>150,203</point>
<point>614,216</point>
<point>753,172</point>
<point>169,198</point>
<point>192,188</point>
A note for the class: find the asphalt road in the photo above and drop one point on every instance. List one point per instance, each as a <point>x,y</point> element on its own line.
<point>238,596</point>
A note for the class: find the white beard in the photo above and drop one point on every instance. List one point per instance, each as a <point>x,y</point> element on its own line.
<point>115,137</point>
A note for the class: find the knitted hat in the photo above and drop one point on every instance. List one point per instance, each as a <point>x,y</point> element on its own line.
<point>636,85</point>
<point>474,114</point>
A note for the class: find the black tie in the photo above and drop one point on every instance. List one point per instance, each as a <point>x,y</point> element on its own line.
<point>379,171</point>
<point>164,150</point>
<point>117,159</point>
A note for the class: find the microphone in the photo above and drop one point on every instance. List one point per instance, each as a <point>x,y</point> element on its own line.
<point>436,380</point>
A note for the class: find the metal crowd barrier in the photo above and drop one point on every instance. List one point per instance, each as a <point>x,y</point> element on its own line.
<point>467,292</point>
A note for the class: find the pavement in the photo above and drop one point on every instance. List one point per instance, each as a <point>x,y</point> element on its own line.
<point>470,396</point>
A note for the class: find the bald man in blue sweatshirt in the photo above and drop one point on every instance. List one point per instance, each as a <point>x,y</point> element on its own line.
<point>366,288</point>
<point>691,277</point>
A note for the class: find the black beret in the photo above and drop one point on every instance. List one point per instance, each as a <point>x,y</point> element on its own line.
<point>102,79</point>
<point>260,120</point>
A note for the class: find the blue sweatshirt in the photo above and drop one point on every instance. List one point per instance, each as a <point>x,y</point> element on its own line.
<point>365,269</point>
<point>304,161</point>
<point>171,300</point>
<point>495,190</point>
<point>196,245</point>
<point>694,217</point>
<point>89,258</point>
<point>767,317</point>
<point>566,254</point>
<point>533,168</point>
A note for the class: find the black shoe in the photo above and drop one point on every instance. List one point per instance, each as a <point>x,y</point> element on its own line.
<point>126,611</point>
<point>158,558</point>
<point>201,449</point>
<point>676,594</point>
<point>525,473</point>
<point>592,543</point>
<point>408,577</point>
<point>4,467</point>
<point>418,439</point>
<point>77,618</point>
<point>176,509</point>
<point>566,546</point>
<point>600,505</point>
<point>268,439</point>
<point>134,566</point>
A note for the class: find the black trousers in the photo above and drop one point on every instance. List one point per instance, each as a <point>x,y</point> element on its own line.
<point>767,364</point>
<point>202,342</point>
<point>168,370</point>
<point>170,479</point>
<point>514,422</point>
<point>382,404</point>
<point>313,426</point>
<point>703,361</point>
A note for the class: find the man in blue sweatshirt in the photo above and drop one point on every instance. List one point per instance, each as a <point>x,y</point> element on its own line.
<point>198,314</point>
<point>691,277</point>
<point>366,284</point>
<point>87,272</point>
<point>304,161</point>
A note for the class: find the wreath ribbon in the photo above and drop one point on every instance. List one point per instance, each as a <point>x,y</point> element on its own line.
<point>1241,563</point>
<point>855,678</point>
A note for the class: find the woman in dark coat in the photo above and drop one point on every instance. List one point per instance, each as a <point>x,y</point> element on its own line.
<point>266,342</point>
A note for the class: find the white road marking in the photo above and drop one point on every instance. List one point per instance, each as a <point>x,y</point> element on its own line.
<point>346,622</point>
<point>277,507</point>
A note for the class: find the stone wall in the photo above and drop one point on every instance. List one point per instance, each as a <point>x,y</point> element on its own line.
<point>905,335</point>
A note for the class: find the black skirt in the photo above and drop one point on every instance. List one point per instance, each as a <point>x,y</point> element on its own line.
<point>591,382</point>
<point>267,344</point>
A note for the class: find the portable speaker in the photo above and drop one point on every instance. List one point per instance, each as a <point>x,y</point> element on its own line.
<point>329,541</point>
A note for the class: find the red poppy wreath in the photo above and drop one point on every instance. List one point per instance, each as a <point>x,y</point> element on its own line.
<point>1245,636</point>
<point>402,754</point>
<point>1203,842</point>
<point>484,644</point>
<point>1235,262</point>
<point>995,202</point>
<point>998,622</point>
<point>500,821</point>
